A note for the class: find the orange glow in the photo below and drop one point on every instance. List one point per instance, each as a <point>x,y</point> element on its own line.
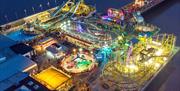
<point>52,78</point>
<point>43,45</point>
<point>48,43</point>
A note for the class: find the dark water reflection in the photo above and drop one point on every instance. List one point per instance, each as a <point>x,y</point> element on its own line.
<point>167,17</point>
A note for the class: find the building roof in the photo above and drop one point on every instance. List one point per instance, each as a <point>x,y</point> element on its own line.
<point>45,39</point>
<point>56,48</point>
<point>21,48</point>
<point>54,80</point>
<point>14,65</point>
<point>23,88</point>
<point>52,50</point>
<point>61,47</point>
<point>28,84</point>
<point>6,42</point>
<point>14,79</point>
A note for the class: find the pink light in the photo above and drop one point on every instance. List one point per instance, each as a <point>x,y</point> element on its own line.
<point>106,18</point>
<point>110,12</point>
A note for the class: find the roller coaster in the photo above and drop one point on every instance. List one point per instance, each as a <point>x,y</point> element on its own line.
<point>75,7</point>
<point>144,60</point>
<point>70,9</point>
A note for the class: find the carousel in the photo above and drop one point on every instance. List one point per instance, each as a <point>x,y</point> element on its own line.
<point>78,62</point>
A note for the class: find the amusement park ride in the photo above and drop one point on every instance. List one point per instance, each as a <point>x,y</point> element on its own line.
<point>126,50</point>
<point>70,9</point>
<point>141,62</point>
<point>74,7</point>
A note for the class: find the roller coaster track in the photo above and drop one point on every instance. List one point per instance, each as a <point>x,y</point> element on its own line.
<point>91,24</point>
<point>97,28</point>
<point>65,15</point>
<point>59,8</point>
<point>76,8</point>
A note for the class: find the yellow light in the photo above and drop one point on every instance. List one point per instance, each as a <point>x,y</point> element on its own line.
<point>146,63</point>
<point>80,49</point>
<point>29,68</point>
<point>64,54</point>
<point>91,52</point>
<point>68,21</point>
<point>74,50</point>
<point>156,43</point>
<point>165,58</point>
<point>159,52</point>
<point>132,67</point>
<point>120,38</point>
<point>157,65</point>
<point>150,61</point>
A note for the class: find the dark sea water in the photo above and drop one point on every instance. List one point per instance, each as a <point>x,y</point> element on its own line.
<point>167,17</point>
<point>14,9</point>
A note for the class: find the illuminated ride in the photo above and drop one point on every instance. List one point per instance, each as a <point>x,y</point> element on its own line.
<point>79,8</point>
<point>138,17</point>
<point>139,3</point>
<point>75,7</point>
<point>71,9</point>
<point>78,62</point>
<point>114,15</point>
<point>121,15</point>
<point>86,34</point>
<point>143,60</point>
<point>103,55</point>
<point>146,28</point>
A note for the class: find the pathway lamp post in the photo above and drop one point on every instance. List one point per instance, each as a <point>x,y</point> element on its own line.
<point>33,9</point>
<point>55,1</point>
<point>16,15</point>
<point>25,12</point>
<point>6,17</point>
<point>41,6</point>
<point>48,4</point>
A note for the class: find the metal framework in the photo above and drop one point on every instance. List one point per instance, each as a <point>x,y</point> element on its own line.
<point>135,73</point>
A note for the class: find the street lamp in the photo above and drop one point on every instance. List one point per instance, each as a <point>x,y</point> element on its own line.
<point>6,17</point>
<point>80,50</point>
<point>74,50</point>
<point>55,1</point>
<point>25,11</point>
<point>48,4</point>
<point>16,15</point>
<point>41,6</point>
<point>33,9</point>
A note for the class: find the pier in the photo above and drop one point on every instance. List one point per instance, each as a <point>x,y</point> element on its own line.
<point>121,48</point>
